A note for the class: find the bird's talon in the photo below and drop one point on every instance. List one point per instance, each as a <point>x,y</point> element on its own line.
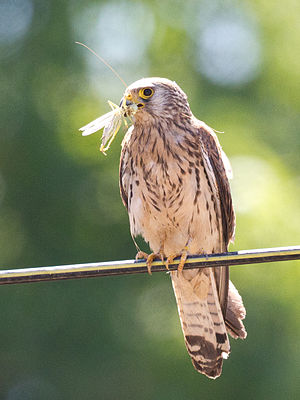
<point>183,259</point>
<point>149,265</point>
<point>141,255</point>
<point>151,258</point>
<point>170,260</point>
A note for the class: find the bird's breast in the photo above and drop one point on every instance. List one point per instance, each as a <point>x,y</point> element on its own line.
<point>169,197</point>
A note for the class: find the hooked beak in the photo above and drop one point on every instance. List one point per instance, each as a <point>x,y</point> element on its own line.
<point>127,102</point>
<point>129,105</point>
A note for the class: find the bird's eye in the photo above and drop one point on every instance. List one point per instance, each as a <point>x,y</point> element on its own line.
<point>146,93</point>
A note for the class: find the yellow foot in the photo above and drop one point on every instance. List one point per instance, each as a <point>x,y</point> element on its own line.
<point>170,259</point>
<point>149,258</point>
<point>140,255</point>
<point>183,259</point>
<point>182,255</point>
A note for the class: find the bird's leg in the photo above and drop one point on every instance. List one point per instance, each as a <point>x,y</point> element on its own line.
<point>149,258</point>
<point>183,258</point>
<point>182,255</point>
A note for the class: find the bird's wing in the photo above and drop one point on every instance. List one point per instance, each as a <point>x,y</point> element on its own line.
<point>220,166</point>
<point>124,169</point>
<point>230,300</point>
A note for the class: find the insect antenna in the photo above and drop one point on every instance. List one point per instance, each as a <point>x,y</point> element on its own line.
<point>104,62</point>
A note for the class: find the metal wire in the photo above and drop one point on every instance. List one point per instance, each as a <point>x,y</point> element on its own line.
<point>38,274</point>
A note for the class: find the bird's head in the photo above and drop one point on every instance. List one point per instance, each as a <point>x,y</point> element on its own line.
<point>156,98</point>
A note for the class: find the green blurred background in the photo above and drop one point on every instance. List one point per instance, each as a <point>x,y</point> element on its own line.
<point>120,338</point>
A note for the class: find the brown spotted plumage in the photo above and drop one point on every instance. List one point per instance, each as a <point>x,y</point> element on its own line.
<point>174,183</point>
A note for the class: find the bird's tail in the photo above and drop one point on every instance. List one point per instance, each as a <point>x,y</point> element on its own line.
<point>201,320</point>
<point>235,313</point>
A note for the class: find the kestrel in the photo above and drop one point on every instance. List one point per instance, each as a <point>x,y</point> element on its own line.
<point>174,184</point>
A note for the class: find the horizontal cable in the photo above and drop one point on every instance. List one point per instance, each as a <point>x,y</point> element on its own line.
<point>242,257</point>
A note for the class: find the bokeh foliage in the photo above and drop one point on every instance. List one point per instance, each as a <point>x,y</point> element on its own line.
<point>120,337</point>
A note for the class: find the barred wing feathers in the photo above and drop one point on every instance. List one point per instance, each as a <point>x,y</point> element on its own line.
<point>235,311</point>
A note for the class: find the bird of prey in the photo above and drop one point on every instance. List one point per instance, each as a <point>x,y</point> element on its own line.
<point>174,184</point>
